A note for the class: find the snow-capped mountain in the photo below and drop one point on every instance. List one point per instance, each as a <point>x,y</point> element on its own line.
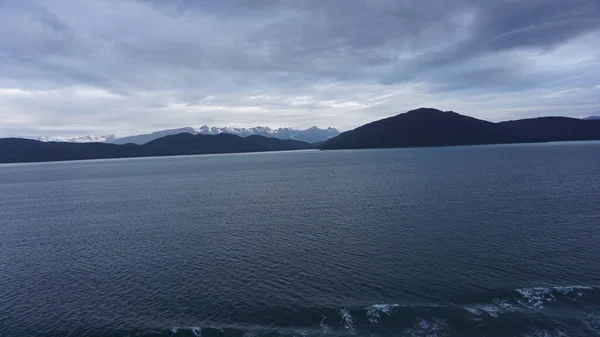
<point>311,135</point>
<point>83,139</point>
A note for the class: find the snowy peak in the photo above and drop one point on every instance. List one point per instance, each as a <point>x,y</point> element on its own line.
<point>312,135</point>
<point>236,131</point>
<point>174,131</point>
<point>83,139</point>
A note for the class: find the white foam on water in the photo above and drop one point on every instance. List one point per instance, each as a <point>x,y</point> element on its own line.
<point>489,309</point>
<point>324,328</point>
<point>536,298</point>
<point>474,311</point>
<point>249,334</point>
<point>375,311</point>
<point>493,310</point>
<point>572,290</point>
<point>348,321</point>
<point>197,331</point>
<point>532,298</point>
<point>505,306</point>
<point>428,328</point>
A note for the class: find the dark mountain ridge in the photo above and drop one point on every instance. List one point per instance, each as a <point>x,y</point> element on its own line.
<point>17,150</point>
<point>421,127</point>
<point>432,127</point>
<point>555,129</point>
<point>185,143</point>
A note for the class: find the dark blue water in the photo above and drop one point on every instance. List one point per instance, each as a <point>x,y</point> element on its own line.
<point>458,241</point>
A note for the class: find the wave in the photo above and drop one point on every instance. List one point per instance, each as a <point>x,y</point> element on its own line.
<point>375,311</point>
<point>522,311</point>
<point>324,327</point>
<point>348,321</point>
<point>535,298</point>
<point>535,311</point>
<point>433,327</point>
<point>528,311</point>
<point>196,331</point>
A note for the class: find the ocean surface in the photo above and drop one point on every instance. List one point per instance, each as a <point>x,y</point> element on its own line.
<point>458,241</point>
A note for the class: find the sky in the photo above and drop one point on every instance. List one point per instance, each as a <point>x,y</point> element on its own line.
<point>73,68</point>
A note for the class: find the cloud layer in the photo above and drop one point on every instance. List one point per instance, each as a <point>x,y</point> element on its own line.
<point>131,66</point>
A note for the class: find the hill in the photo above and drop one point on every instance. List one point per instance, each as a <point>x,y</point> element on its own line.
<point>423,127</point>
<point>186,143</point>
<point>432,127</point>
<point>556,129</point>
<point>17,150</point>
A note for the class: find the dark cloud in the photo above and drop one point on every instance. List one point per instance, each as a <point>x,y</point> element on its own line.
<point>132,65</point>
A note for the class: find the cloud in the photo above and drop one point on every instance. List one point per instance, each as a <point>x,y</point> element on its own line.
<point>132,66</point>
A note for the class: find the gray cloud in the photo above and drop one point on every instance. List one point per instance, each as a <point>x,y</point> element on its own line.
<point>505,25</point>
<point>103,66</point>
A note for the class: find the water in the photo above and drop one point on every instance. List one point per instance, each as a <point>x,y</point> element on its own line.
<point>459,241</point>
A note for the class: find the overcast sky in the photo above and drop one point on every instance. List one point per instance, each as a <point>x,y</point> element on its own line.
<point>70,68</point>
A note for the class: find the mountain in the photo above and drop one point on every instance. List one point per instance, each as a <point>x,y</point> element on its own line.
<point>84,139</point>
<point>311,135</point>
<point>591,118</point>
<point>432,127</point>
<point>185,143</point>
<point>422,127</point>
<point>145,138</point>
<point>17,150</point>
<point>555,129</point>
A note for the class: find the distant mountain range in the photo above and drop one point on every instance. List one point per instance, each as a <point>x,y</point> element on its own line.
<point>311,135</point>
<point>18,150</point>
<point>591,118</point>
<point>432,127</point>
<point>421,127</point>
<point>84,139</point>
